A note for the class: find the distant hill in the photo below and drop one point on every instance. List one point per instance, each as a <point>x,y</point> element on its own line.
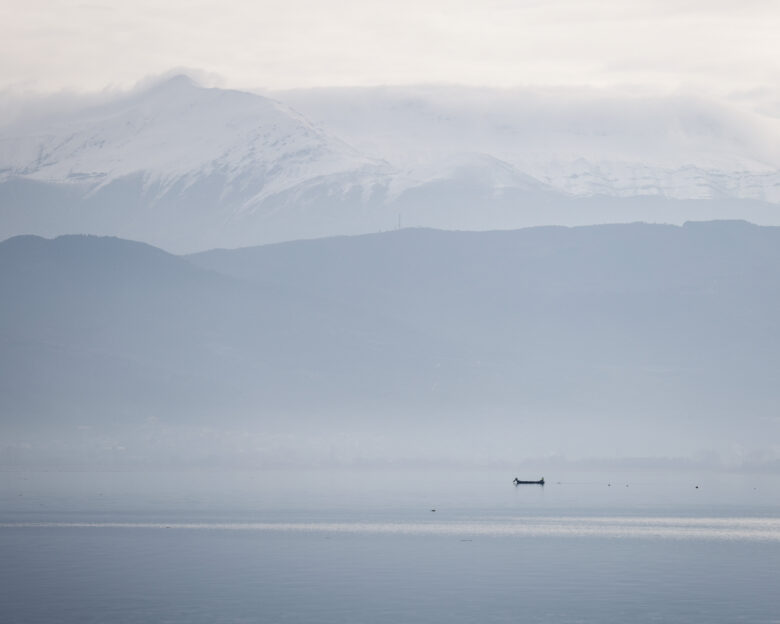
<point>595,341</point>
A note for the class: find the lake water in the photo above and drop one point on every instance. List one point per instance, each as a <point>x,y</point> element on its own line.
<point>366,546</point>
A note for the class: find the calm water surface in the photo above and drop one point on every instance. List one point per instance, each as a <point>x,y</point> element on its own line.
<point>349,546</point>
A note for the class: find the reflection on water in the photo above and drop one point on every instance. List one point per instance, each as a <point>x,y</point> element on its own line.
<point>767,529</point>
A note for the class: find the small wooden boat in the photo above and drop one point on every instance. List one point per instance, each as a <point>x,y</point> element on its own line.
<point>519,482</point>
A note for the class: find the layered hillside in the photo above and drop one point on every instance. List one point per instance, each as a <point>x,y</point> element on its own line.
<point>409,343</point>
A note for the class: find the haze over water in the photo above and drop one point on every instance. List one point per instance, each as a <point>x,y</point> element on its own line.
<point>254,306</point>
<point>359,546</point>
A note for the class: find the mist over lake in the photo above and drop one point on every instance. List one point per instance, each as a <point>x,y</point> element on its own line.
<point>328,430</point>
<point>388,544</point>
<point>370,312</point>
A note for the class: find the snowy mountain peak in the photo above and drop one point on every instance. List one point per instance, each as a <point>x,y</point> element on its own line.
<point>178,130</point>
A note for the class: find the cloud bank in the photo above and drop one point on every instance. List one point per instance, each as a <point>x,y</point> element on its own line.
<point>713,47</point>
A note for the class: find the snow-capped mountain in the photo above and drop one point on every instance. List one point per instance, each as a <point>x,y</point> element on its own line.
<point>178,132</point>
<point>178,165</point>
<point>189,168</point>
<point>581,144</point>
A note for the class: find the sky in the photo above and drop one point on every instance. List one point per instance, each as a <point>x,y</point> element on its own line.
<point>723,49</point>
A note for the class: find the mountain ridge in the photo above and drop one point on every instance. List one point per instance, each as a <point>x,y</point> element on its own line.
<point>665,336</point>
<point>189,168</point>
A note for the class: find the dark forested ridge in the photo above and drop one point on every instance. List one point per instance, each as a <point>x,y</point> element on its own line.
<point>628,327</point>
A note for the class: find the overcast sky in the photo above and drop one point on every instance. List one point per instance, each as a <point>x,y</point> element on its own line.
<point>722,48</point>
